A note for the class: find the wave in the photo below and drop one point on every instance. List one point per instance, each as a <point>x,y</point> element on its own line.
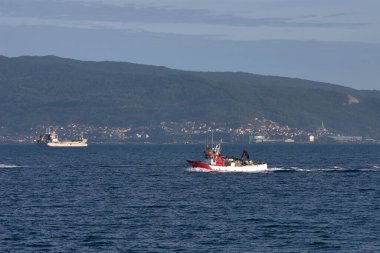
<point>199,170</point>
<point>374,168</point>
<point>148,165</point>
<point>122,165</point>
<point>10,166</point>
<point>287,169</point>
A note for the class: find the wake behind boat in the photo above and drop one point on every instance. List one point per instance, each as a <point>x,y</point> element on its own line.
<point>214,161</point>
<point>51,140</point>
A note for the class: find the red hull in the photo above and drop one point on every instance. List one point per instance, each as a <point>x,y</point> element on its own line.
<point>197,164</point>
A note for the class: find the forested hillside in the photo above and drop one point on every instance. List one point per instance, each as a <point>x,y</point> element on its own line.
<point>36,90</point>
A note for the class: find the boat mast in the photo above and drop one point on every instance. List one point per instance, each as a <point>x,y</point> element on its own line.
<point>212,138</point>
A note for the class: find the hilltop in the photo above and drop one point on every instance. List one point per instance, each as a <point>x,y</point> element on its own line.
<point>53,90</point>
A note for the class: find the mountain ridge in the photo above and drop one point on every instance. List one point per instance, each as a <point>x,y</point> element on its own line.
<point>50,89</point>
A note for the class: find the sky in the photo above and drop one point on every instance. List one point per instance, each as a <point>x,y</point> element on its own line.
<point>335,41</point>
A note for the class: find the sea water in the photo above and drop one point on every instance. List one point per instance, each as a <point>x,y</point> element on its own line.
<point>144,198</point>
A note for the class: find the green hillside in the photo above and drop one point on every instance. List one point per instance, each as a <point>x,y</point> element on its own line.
<point>47,90</point>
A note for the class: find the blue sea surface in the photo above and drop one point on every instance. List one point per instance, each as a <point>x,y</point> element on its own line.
<point>144,198</point>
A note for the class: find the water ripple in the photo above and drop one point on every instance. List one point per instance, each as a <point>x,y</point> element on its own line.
<point>143,199</point>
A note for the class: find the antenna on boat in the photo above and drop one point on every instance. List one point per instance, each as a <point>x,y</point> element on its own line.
<point>212,138</point>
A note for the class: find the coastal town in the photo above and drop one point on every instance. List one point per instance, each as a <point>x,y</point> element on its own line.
<point>185,132</point>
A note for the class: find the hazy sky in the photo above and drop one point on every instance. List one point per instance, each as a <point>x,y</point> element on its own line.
<point>335,41</point>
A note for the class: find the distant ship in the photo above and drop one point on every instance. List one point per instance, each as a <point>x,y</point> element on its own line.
<point>51,140</point>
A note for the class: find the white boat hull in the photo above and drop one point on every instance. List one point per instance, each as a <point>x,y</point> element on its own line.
<point>262,167</point>
<point>66,144</point>
<point>247,169</point>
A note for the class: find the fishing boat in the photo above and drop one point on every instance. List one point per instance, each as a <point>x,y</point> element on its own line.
<point>50,139</point>
<point>215,161</point>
